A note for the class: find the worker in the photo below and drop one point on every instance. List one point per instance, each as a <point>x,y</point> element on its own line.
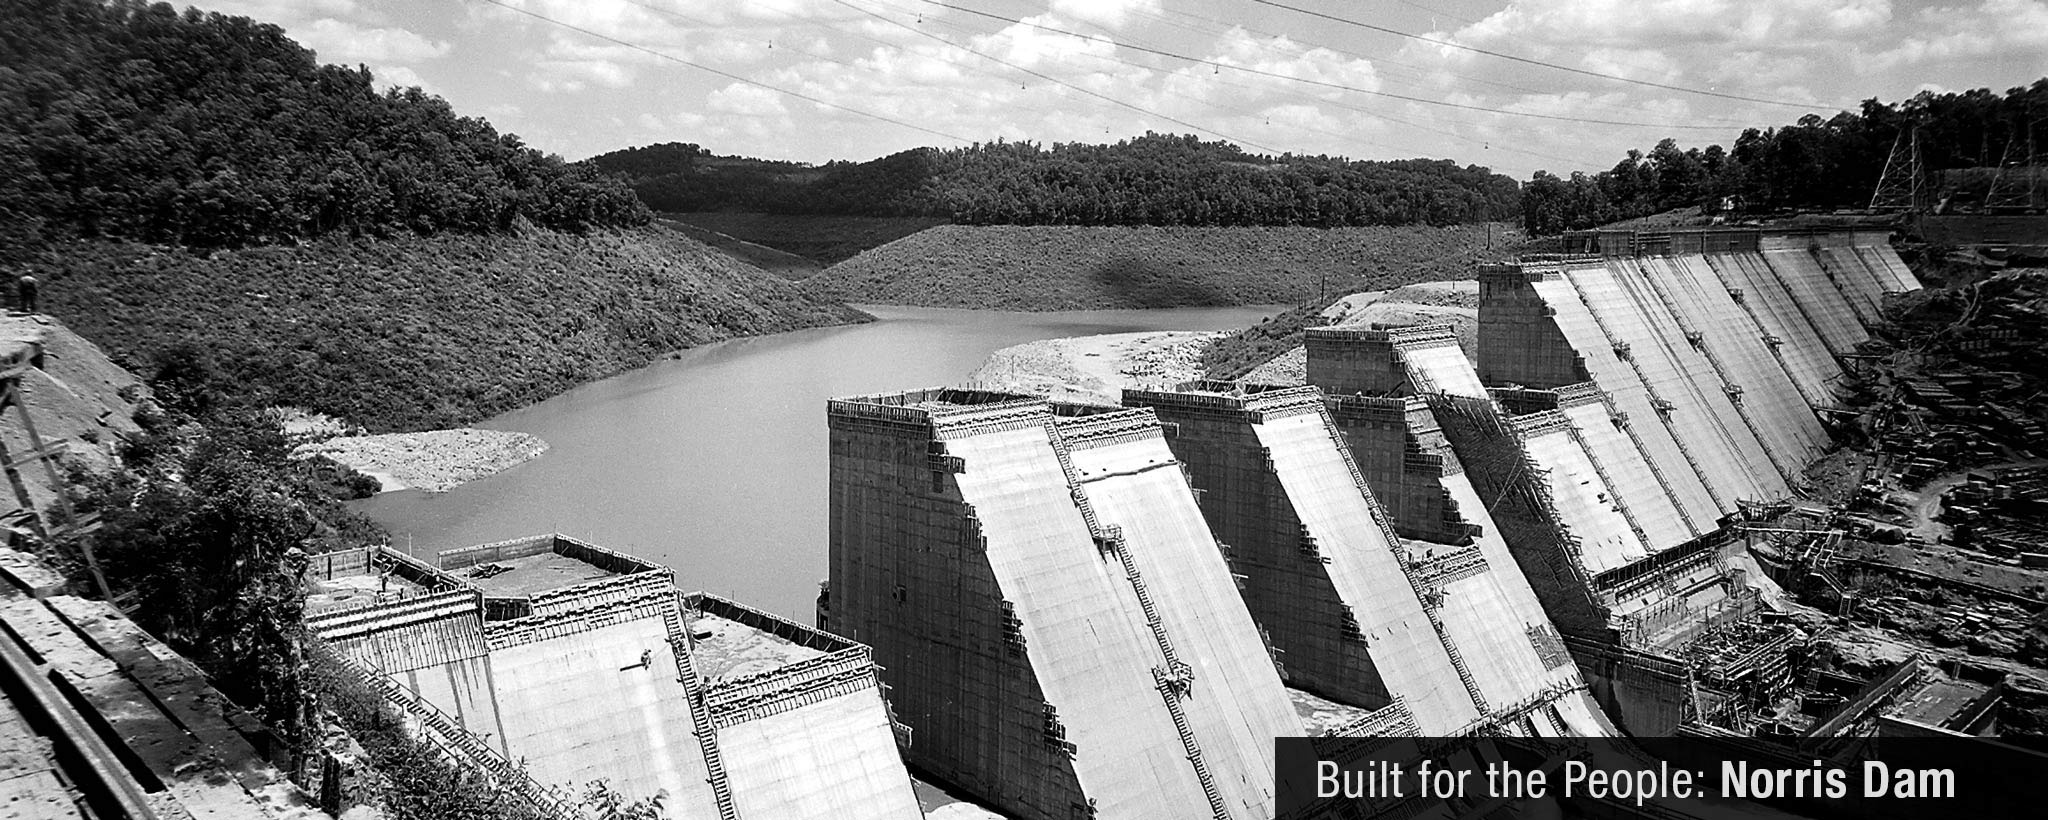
<point>25,289</point>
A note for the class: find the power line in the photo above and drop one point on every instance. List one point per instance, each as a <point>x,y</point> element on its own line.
<point>1052,79</point>
<point>1504,56</point>
<point>727,74</point>
<point>1483,143</point>
<point>1338,86</point>
<point>1378,61</point>
<point>826,57</point>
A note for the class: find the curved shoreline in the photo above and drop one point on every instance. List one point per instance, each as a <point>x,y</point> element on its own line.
<point>434,461</point>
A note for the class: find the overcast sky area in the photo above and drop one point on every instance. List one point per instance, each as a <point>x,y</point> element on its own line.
<point>817,80</point>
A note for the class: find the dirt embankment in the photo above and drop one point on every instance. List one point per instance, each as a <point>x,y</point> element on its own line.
<point>1249,355</point>
<point>1098,368</point>
<point>79,399</point>
<point>1095,369</point>
<point>1084,268</point>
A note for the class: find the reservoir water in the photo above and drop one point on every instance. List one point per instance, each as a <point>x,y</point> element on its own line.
<point>714,462</point>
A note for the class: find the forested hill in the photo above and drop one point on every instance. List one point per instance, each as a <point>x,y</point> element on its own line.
<point>1151,180</point>
<point>136,121</point>
<point>1814,163</point>
<point>200,195</point>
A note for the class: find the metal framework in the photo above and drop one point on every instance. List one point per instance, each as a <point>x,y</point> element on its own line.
<point>1898,189</point>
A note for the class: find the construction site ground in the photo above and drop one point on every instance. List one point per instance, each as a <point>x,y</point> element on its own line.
<point>351,591</point>
<point>727,649</point>
<point>526,575</point>
<point>1320,716</point>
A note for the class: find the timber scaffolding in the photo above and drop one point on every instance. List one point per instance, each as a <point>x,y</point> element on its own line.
<point>100,720</point>
<point>583,663</point>
<point>1056,641</point>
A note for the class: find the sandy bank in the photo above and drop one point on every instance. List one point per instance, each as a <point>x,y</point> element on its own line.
<point>1454,303</point>
<point>1095,368</point>
<point>432,461</point>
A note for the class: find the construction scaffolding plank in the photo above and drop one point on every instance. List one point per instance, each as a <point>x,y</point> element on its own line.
<point>1337,513</point>
<point>1792,435</point>
<point>1093,660</point>
<point>1237,702</point>
<point>1617,377</point>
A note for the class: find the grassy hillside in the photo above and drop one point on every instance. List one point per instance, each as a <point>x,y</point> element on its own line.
<point>421,332</point>
<point>781,263</point>
<point>826,240</point>
<point>1074,268</point>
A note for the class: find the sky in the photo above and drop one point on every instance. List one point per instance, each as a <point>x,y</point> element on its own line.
<point>1514,85</point>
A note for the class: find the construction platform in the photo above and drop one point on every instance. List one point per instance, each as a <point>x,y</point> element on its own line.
<point>583,663</point>
<point>98,719</point>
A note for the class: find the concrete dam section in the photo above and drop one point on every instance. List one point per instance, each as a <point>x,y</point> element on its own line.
<point>586,664</point>
<point>1060,633</point>
<point>1068,610</point>
<point>1533,546</point>
<point>1628,404</point>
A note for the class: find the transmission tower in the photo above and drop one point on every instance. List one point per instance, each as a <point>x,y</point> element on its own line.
<point>1898,189</point>
<point>2004,194</point>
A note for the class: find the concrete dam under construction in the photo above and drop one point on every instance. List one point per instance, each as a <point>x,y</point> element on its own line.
<point>1072,610</point>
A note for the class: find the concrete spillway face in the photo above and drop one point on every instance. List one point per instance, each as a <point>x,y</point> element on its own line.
<point>1806,354</point>
<point>1718,441</point>
<point>1364,567</point>
<point>829,758</point>
<point>1486,608</point>
<point>1236,704</point>
<point>1587,332</point>
<point>1582,498</point>
<point>594,696</point>
<point>1087,636</point>
<point>1494,616</point>
<point>1791,433</point>
<point>1838,320</point>
<point>1636,492</point>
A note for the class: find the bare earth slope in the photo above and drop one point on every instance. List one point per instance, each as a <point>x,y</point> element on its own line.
<point>417,333</point>
<point>1074,268</point>
<point>76,396</point>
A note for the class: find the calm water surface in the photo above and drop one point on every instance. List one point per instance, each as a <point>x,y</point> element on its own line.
<point>715,462</point>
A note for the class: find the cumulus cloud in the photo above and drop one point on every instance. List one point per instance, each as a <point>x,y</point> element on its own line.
<point>339,41</point>
<point>746,101</point>
<point>1107,13</point>
<point>2012,30</point>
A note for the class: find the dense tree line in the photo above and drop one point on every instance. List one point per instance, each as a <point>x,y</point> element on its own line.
<point>139,121</point>
<point>1815,163</point>
<point>1151,180</point>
